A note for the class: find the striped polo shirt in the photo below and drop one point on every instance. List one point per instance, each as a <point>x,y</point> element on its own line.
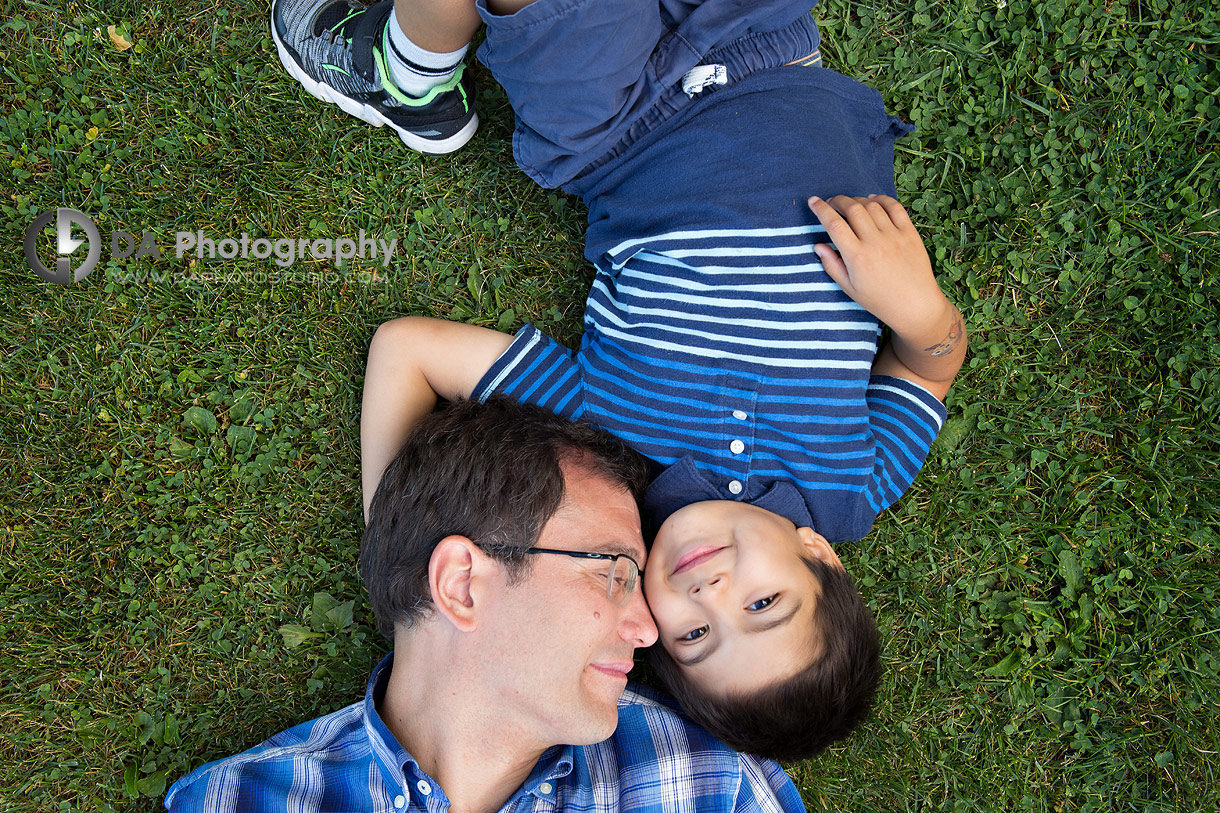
<point>715,343</point>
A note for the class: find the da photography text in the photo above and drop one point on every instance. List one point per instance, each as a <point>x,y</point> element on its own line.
<point>282,251</point>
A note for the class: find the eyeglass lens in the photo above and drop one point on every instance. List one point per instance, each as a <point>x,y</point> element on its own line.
<point>623,576</point>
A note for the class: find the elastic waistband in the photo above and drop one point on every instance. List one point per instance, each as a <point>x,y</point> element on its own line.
<point>794,44</point>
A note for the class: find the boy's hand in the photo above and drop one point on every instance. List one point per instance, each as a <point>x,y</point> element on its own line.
<point>881,262</point>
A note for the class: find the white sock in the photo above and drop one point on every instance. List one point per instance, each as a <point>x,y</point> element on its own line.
<point>413,70</point>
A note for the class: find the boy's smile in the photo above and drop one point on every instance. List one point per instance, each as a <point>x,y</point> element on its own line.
<point>695,557</point>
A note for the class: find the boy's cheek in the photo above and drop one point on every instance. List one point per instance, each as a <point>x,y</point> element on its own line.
<point>661,604</point>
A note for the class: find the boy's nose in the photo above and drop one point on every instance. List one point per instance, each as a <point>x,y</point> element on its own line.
<point>711,581</point>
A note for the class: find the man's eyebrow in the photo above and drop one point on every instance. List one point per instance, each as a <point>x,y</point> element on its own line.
<point>770,624</point>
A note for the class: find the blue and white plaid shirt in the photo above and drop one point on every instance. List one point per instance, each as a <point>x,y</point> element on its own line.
<point>349,761</point>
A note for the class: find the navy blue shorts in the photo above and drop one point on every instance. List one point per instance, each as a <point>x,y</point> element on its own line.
<point>587,78</point>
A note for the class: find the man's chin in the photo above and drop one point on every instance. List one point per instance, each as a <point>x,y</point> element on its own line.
<point>598,733</point>
<point>599,723</point>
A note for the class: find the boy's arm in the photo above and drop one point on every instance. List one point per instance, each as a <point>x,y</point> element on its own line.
<point>412,362</point>
<point>882,264</point>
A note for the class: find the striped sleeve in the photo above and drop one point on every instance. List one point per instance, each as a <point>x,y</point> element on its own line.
<point>904,419</point>
<point>536,369</point>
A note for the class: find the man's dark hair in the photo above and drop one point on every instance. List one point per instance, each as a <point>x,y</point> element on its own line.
<point>797,718</point>
<point>490,472</point>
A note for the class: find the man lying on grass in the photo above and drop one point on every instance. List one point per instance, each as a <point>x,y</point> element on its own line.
<point>501,555</point>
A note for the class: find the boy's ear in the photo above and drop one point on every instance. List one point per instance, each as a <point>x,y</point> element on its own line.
<point>818,547</point>
<point>452,570</point>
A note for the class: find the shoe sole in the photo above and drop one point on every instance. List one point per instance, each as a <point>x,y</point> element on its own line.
<point>430,146</point>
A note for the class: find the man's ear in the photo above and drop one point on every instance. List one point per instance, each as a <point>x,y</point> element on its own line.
<point>452,569</point>
<point>817,547</point>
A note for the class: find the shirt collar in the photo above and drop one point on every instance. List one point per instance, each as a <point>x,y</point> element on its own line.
<point>400,770</point>
<point>682,483</point>
<point>555,763</point>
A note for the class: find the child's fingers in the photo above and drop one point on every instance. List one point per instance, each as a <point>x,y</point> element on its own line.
<point>840,231</point>
<point>865,217</point>
<point>834,265</point>
<point>895,210</point>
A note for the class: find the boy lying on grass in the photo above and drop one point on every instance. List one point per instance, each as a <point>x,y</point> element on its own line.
<point>725,338</point>
<point>782,431</point>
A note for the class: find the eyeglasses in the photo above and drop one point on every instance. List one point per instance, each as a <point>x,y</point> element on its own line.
<point>621,578</point>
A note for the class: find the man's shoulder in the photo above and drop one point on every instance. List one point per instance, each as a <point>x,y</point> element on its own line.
<point>649,720</point>
<point>657,756</point>
<point>652,725</point>
<point>637,694</point>
<point>335,744</point>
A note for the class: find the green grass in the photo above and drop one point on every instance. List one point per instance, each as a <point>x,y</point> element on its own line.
<point>174,591</point>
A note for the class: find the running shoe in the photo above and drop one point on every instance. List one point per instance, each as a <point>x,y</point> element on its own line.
<point>336,49</point>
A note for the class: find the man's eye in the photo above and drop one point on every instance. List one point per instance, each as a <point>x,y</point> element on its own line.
<point>695,634</point>
<point>762,603</point>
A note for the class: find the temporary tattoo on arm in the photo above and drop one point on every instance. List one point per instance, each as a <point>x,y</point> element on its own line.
<point>950,342</point>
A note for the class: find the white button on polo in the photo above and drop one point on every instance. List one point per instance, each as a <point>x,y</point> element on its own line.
<point>739,415</point>
<point>735,486</point>
<point>737,447</point>
<point>423,787</point>
<point>545,787</point>
<point>399,801</point>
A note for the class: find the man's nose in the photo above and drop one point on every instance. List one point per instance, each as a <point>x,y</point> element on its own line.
<point>637,627</point>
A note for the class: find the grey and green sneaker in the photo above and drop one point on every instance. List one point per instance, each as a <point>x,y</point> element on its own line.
<point>336,49</point>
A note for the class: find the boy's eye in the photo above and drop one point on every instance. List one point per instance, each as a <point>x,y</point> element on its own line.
<point>695,634</point>
<point>762,603</point>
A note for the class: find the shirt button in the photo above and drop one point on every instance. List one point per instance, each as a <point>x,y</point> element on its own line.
<point>423,787</point>
<point>739,415</point>
<point>399,801</point>
<point>737,447</point>
<point>735,486</point>
<point>545,787</point>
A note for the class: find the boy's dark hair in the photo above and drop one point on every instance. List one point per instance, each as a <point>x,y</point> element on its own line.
<point>486,471</point>
<point>821,704</point>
